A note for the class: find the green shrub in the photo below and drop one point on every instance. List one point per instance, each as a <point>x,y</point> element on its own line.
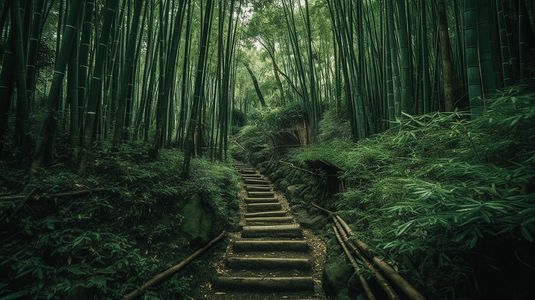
<point>108,243</point>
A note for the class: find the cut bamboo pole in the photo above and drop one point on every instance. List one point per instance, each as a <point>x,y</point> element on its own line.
<point>355,266</point>
<point>21,204</point>
<point>378,276</point>
<point>406,287</point>
<point>172,270</point>
<point>73,193</point>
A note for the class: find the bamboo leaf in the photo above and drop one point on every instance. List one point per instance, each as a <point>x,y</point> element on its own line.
<point>525,233</point>
<point>473,242</point>
<point>404,227</point>
<point>15,295</point>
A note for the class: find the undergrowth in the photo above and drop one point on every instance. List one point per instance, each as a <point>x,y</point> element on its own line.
<point>107,243</point>
<point>439,195</point>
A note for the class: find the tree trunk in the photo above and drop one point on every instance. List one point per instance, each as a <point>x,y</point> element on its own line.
<point>199,79</point>
<point>20,71</point>
<point>472,62</point>
<point>127,76</point>
<point>256,87</point>
<point>45,141</point>
<point>95,86</point>
<point>445,49</point>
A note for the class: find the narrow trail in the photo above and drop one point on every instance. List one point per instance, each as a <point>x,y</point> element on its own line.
<point>271,256</point>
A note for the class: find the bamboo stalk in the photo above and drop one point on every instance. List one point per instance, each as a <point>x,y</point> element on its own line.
<point>355,266</point>
<point>297,168</point>
<point>406,287</point>
<point>25,198</point>
<point>73,193</point>
<point>321,208</point>
<point>378,276</point>
<point>172,270</point>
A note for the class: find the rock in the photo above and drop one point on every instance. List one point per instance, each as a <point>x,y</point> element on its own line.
<point>197,222</point>
<point>336,275</point>
<point>344,294</point>
<point>313,223</point>
<point>290,192</point>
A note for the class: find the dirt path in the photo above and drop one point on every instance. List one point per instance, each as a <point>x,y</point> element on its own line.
<point>271,257</point>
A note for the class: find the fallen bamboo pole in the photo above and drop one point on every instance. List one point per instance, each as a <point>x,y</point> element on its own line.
<point>405,286</point>
<point>172,270</point>
<point>355,266</point>
<point>238,144</point>
<point>378,276</point>
<point>72,193</point>
<point>297,168</point>
<point>19,206</point>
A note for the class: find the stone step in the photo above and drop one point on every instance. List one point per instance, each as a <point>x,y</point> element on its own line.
<point>260,194</point>
<point>267,284</point>
<point>293,230</point>
<point>261,200</point>
<point>269,220</point>
<point>258,188</point>
<point>255,263</point>
<point>252,176</point>
<point>260,207</point>
<point>257,181</point>
<point>273,245</point>
<point>276,213</point>
<point>248,171</point>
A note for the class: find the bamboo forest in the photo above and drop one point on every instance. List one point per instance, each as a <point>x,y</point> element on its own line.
<point>267,149</point>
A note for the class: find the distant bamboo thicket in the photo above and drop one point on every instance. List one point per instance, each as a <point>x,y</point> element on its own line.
<point>381,59</point>
<point>122,70</point>
<point>172,72</point>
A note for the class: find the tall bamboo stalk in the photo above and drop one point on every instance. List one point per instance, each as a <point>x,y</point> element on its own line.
<point>199,79</point>
<point>472,62</point>
<point>44,144</point>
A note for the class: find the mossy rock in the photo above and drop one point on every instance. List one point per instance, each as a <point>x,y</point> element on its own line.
<point>336,275</point>
<point>197,222</point>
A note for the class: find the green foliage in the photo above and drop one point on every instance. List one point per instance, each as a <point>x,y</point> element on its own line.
<point>430,191</point>
<point>334,126</point>
<point>108,243</point>
<point>238,120</point>
<point>279,118</point>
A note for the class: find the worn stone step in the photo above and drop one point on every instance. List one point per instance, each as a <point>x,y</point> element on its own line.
<point>252,176</point>
<point>267,284</point>
<point>258,188</point>
<point>293,230</point>
<point>273,245</point>
<point>248,171</point>
<point>260,194</point>
<point>276,213</point>
<point>254,263</point>
<point>257,181</point>
<point>270,220</point>
<point>261,200</point>
<point>259,207</point>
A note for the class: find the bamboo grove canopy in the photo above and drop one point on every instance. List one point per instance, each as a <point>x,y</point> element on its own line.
<point>84,73</point>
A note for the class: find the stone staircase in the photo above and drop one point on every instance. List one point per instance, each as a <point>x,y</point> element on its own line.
<point>272,257</point>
